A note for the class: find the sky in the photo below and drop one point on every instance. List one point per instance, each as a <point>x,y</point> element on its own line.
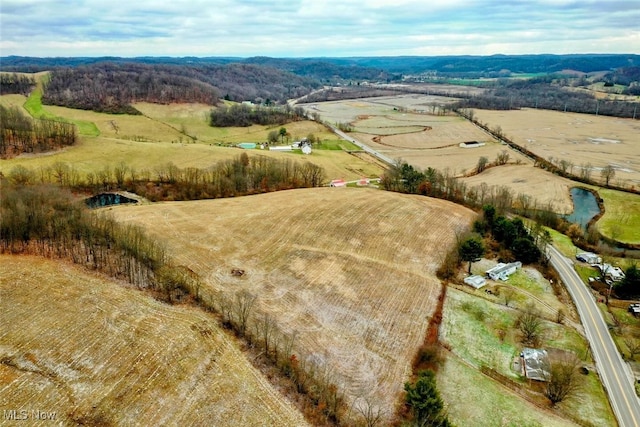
<point>316,28</point>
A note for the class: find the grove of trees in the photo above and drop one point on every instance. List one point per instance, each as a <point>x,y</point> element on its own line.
<point>241,175</point>
<point>20,133</point>
<point>16,83</point>
<point>241,115</point>
<point>47,220</point>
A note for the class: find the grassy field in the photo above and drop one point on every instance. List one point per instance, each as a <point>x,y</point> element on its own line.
<point>425,140</point>
<point>334,265</point>
<point>478,401</point>
<point>147,142</point>
<point>33,105</point>
<point>473,324</point>
<point>621,220</point>
<point>99,353</point>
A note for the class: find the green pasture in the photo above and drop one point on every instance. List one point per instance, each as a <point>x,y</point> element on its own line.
<point>621,220</point>
<point>34,107</point>
<point>470,327</point>
<point>336,144</point>
<point>473,399</point>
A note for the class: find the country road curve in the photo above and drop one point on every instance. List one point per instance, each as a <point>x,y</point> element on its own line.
<point>615,374</point>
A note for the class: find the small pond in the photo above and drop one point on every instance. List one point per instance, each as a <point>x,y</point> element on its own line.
<point>108,199</point>
<point>585,207</point>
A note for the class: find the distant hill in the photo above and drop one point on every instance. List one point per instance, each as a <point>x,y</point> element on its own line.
<point>111,84</point>
<point>382,67</point>
<point>486,64</point>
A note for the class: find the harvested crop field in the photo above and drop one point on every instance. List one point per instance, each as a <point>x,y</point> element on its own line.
<point>98,353</point>
<point>578,138</point>
<point>545,187</point>
<point>350,271</point>
<point>408,127</point>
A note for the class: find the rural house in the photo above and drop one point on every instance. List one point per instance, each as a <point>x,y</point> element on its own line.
<point>502,271</point>
<point>535,364</point>
<point>610,272</point>
<point>475,281</point>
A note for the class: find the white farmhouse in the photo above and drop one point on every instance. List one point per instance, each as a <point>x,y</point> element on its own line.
<point>502,271</point>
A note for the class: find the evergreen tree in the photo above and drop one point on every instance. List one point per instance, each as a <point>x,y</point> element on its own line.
<point>424,401</point>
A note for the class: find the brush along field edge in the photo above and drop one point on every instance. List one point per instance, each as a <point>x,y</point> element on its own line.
<point>350,271</point>
<point>96,352</point>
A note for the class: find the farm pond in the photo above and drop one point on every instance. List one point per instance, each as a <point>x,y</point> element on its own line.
<point>585,206</point>
<point>108,199</point>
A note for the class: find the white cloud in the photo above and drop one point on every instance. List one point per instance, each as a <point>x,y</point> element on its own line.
<point>316,28</point>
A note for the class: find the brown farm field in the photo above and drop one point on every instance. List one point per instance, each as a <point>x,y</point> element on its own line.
<point>408,127</point>
<point>350,271</point>
<point>545,187</point>
<point>400,128</point>
<point>98,353</point>
<point>578,138</point>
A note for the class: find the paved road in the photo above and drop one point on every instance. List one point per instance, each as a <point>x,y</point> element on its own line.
<point>615,374</point>
<point>369,150</point>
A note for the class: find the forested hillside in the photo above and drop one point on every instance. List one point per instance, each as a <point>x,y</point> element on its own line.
<point>112,87</point>
<point>547,93</point>
<point>113,84</point>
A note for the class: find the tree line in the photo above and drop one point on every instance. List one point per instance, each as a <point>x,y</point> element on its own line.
<point>16,83</point>
<point>242,115</point>
<point>20,133</point>
<point>545,93</point>
<point>47,220</point>
<point>241,175</point>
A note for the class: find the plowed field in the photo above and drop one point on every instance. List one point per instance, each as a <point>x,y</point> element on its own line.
<point>352,271</point>
<point>96,353</point>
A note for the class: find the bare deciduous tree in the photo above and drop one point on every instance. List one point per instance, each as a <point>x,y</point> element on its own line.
<point>633,344</point>
<point>530,325</point>
<point>502,158</point>
<point>482,164</point>
<point>562,378</point>
<point>607,173</point>
<point>371,414</point>
<point>243,306</point>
